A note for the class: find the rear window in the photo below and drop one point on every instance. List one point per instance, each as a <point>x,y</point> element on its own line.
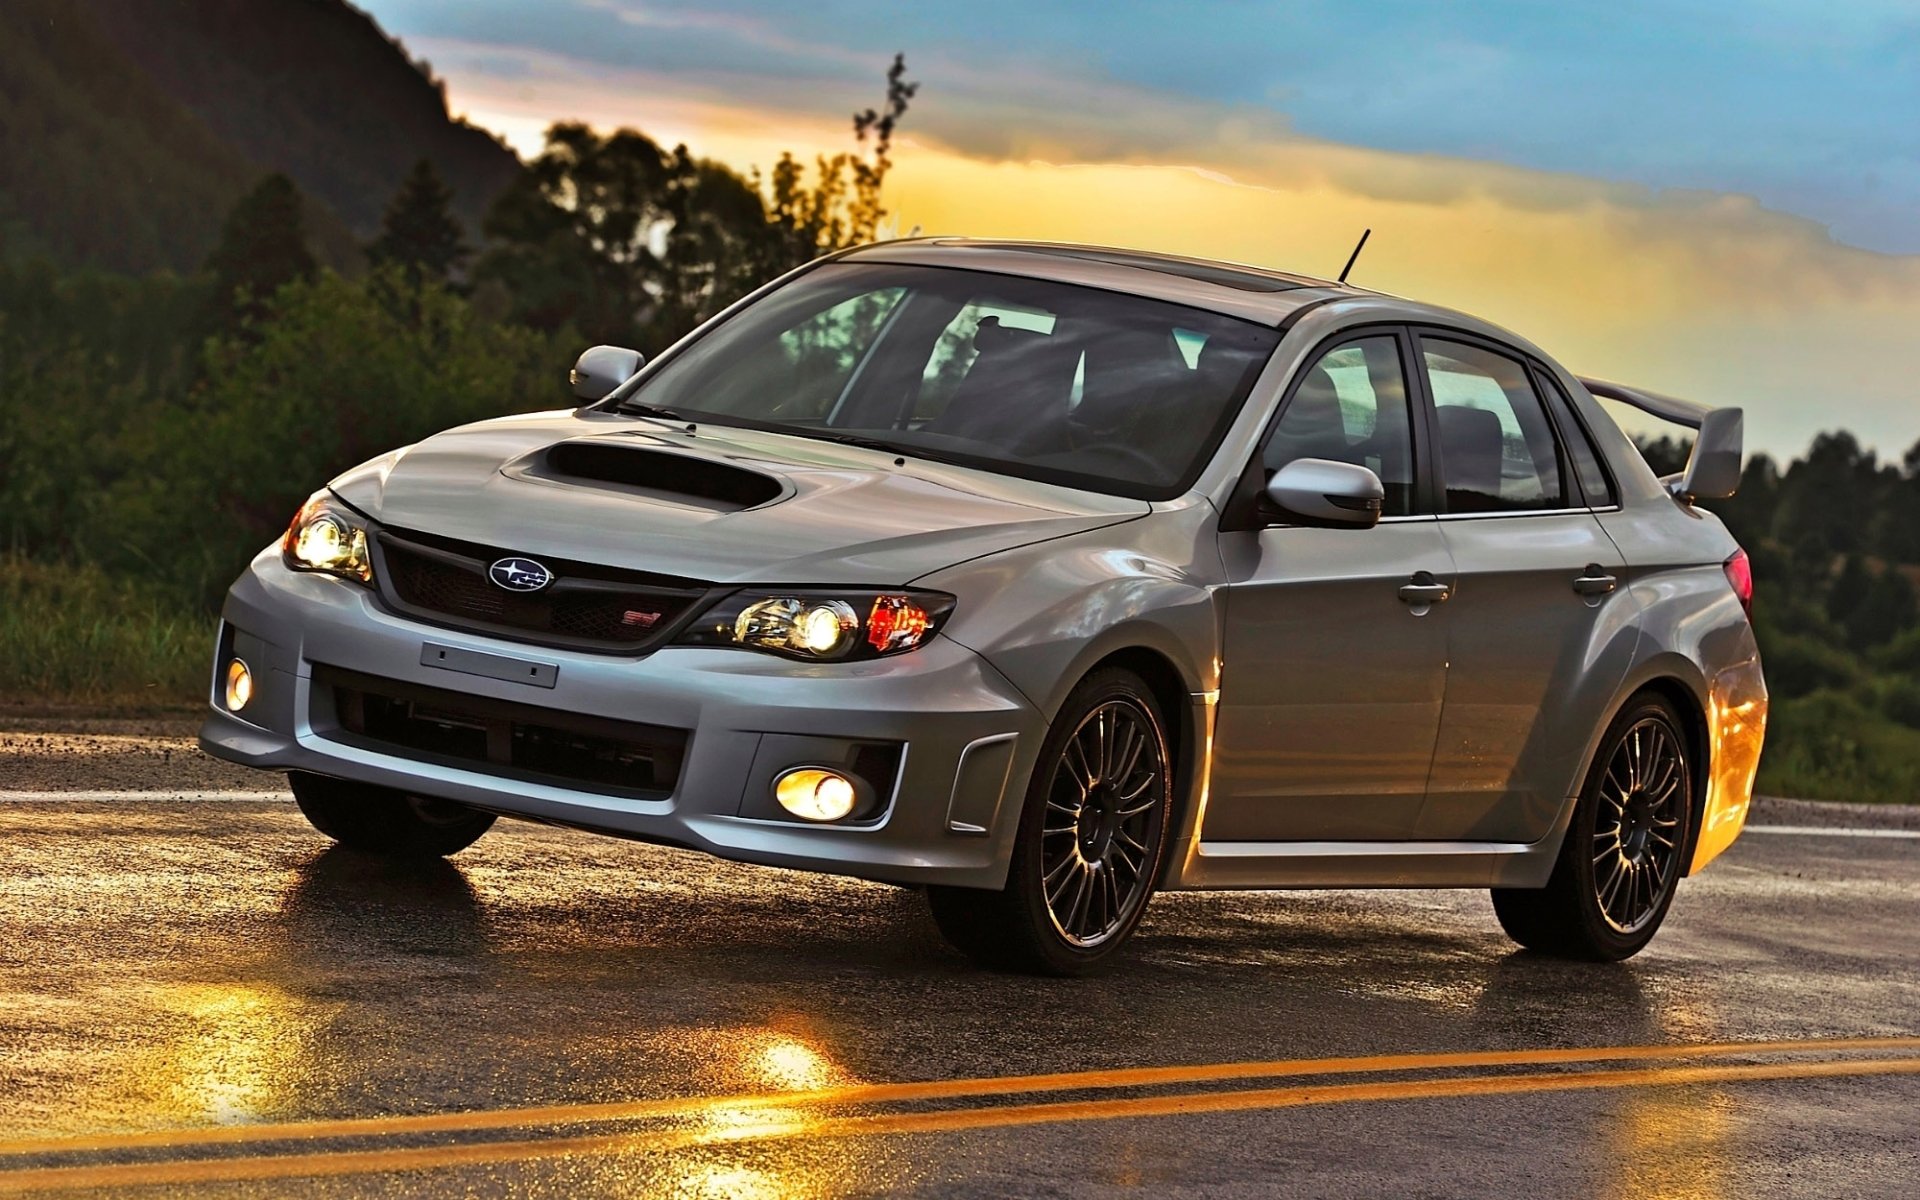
<point>1587,467</point>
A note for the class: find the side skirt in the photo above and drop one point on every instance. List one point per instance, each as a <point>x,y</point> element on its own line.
<point>1209,866</point>
<point>1279,865</point>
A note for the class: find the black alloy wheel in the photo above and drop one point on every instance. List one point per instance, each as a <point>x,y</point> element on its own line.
<point>1635,842</point>
<point>1091,839</point>
<point>1099,822</point>
<point>1626,849</point>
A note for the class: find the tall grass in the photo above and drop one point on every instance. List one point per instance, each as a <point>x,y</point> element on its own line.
<point>74,635</point>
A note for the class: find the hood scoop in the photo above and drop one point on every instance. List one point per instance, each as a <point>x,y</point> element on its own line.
<point>663,475</point>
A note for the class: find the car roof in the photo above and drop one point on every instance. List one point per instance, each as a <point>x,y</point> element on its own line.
<point>1236,289</point>
<point>1258,294</point>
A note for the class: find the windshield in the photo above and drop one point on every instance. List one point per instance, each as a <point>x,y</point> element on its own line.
<point>1041,380</point>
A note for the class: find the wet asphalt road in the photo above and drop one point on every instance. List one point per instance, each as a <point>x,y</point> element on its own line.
<point>186,965</point>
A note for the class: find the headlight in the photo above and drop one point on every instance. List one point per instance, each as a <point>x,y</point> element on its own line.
<point>823,626</point>
<point>327,536</point>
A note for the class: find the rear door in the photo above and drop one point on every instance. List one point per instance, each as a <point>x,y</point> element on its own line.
<point>1335,658</point>
<point>1540,613</point>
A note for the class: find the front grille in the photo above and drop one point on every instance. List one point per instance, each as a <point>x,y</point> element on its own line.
<point>586,607</point>
<point>516,741</point>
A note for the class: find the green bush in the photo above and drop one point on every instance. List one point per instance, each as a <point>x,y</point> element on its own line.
<point>1901,700</point>
<point>338,371</point>
<point>1828,746</point>
<point>1798,665</point>
<point>1902,654</point>
<point>70,634</point>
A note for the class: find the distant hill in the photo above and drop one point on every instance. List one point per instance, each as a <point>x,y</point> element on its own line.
<point>128,127</point>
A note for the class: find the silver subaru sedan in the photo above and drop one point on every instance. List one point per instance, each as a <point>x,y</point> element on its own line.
<point>1043,577</point>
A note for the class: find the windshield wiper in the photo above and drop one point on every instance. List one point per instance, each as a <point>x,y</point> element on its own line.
<point>872,443</point>
<point>633,408</point>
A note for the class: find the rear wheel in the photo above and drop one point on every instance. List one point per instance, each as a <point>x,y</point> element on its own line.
<point>1090,843</point>
<point>1622,860</point>
<point>384,821</point>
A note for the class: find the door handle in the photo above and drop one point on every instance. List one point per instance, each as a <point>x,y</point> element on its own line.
<point>1423,588</point>
<point>1594,581</point>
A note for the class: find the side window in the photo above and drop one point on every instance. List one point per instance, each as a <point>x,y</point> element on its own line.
<point>1351,406</point>
<point>1580,448</point>
<point>1497,450</point>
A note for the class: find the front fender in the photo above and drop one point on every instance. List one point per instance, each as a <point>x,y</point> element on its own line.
<point>1043,615</point>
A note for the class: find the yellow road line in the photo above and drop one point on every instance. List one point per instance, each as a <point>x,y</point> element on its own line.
<point>932,1089</point>
<point>421,1158</point>
<point>474,1121</point>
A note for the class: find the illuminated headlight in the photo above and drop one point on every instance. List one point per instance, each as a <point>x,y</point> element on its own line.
<point>814,628</point>
<point>239,685</point>
<point>823,626</point>
<point>327,536</point>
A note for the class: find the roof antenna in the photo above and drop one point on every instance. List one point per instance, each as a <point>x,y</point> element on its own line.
<point>1355,256</point>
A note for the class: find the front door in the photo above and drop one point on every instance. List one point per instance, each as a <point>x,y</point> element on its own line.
<point>1335,645</point>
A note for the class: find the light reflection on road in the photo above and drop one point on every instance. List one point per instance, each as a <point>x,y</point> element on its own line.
<point>1672,1145</point>
<point>226,1053</point>
<point>757,1060</point>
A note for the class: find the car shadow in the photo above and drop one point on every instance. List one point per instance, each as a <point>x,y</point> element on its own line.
<point>343,903</point>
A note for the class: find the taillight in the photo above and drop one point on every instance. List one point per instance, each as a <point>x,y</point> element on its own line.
<point>1740,575</point>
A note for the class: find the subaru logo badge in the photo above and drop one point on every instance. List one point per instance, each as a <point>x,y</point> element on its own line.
<point>519,575</point>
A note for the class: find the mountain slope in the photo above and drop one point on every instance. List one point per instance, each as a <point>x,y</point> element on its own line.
<point>128,127</point>
<point>98,165</point>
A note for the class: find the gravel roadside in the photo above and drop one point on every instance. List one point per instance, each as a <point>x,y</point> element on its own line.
<point>162,757</point>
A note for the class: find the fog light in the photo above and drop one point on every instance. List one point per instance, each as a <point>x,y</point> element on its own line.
<point>815,794</point>
<point>239,685</point>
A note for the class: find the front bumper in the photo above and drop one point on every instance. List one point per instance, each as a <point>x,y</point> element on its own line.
<point>967,737</point>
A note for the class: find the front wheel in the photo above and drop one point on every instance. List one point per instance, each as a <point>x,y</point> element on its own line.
<point>1091,839</point>
<point>1622,860</point>
<point>383,821</point>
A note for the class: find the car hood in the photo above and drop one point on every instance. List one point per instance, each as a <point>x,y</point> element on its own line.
<point>721,504</point>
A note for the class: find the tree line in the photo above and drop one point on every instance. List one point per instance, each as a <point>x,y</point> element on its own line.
<point>165,426</point>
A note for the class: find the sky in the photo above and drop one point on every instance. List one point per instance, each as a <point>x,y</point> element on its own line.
<point>1717,200</point>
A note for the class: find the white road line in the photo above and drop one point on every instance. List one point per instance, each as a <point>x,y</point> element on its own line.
<point>150,797</point>
<point>1822,831</point>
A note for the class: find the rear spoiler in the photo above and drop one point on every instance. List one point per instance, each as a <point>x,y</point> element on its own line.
<point>1713,469</point>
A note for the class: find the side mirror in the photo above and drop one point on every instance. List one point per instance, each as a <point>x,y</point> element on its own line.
<point>1319,491</point>
<point>1713,469</point>
<point>602,369</point>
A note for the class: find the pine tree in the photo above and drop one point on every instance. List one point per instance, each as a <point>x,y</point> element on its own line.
<point>263,245</point>
<point>419,231</point>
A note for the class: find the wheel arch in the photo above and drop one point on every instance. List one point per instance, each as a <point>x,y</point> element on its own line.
<point>1689,699</point>
<point>1172,693</point>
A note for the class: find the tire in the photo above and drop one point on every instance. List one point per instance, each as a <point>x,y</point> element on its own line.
<point>1085,858</point>
<point>1623,857</point>
<point>377,820</point>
